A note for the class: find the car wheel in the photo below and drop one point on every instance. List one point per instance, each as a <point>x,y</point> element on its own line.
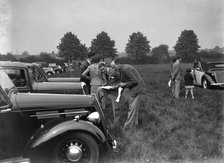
<point>76,147</point>
<point>205,84</point>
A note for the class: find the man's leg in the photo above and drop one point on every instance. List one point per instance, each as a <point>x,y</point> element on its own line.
<point>112,96</point>
<point>177,88</point>
<point>101,95</point>
<point>132,119</point>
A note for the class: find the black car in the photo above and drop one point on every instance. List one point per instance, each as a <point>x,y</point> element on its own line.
<point>209,73</point>
<point>50,127</point>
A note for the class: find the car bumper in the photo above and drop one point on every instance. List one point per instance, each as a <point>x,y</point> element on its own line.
<point>218,84</point>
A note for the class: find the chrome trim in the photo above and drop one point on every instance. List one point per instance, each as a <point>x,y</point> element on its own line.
<point>218,84</point>
<point>56,114</point>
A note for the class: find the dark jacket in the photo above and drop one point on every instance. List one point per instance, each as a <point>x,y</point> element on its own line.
<point>82,68</point>
<point>133,80</point>
<point>188,79</point>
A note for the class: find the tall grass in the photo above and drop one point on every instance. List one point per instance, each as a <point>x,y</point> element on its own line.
<point>171,129</point>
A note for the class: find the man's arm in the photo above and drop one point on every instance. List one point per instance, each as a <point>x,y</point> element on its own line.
<point>131,79</point>
<point>175,71</point>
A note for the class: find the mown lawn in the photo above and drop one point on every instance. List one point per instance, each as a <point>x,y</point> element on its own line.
<point>181,130</point>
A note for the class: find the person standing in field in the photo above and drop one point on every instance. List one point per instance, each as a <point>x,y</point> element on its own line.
<point>189,83</point>
<point>83,67</point>
<point>176,77</point>
<point>133,86</point>
<point>95,75</point>
<point>112,79</point>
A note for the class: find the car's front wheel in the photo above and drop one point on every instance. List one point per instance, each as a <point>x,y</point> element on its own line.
<point>205,83</point>
<point>76,147</point>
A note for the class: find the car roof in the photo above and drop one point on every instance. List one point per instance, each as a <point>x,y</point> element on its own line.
<point>213,60</point>
<point>12,63</point>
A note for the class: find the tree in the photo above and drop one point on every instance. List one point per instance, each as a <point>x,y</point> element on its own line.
<point>10,57</point>
<point>161,54</point>
<point>70,47</point>
<point>187,46</point>
<point>103,45</point>
<point>45,57</point>
<point>25,54</point>
<point>137,46</point>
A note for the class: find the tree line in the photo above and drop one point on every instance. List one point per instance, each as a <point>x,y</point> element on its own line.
<point>138,49</point>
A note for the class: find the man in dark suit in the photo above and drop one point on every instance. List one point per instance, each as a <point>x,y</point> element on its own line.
<point>84,66</point>
<point>133,85</point>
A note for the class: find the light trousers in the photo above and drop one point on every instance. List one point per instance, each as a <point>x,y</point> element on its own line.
<point>176,88</point>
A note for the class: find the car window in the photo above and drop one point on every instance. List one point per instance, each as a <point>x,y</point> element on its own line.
<point>17,76</point>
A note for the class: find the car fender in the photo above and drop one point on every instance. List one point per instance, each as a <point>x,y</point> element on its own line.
<point>208,78</point>
<point>52,131</point>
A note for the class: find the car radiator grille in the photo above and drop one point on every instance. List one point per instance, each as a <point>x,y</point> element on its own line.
<point>220,76</point>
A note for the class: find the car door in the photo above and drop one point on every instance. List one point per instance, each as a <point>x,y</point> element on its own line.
<point>198,73</point>
<point>16,128</point>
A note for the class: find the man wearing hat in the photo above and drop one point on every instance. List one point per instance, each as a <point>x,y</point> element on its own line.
<point>176,77</point>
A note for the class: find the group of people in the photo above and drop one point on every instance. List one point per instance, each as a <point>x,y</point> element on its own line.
<point>96,74</point>
<point>176,79</point>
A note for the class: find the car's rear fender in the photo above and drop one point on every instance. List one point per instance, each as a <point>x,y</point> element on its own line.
<point>51,132</point>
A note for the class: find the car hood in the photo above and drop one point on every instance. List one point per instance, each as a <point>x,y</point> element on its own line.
<point>50,101</point>
<point>219,74</point>
<point>63,79</point>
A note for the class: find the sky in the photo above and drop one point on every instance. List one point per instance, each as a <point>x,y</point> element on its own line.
<point>38,25</point>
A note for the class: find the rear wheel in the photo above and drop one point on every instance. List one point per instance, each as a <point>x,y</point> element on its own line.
<point>76,147</point>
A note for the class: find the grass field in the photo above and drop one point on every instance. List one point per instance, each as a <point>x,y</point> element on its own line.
<point>171,130</point>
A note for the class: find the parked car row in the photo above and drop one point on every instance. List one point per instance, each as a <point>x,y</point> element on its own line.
<point>52,68</point>
<point>38,115</point>
<point>30,77</point>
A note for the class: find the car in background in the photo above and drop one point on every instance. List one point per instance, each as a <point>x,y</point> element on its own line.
<point>57,68</point>
<point>49,71</point>
<point>50,127</point>
<point>209,73</point>
<point>29,77</point>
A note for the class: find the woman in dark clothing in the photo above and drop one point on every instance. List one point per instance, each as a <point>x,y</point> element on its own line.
<point>189,83</point>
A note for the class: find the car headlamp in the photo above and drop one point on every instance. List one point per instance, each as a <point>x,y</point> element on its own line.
<point>94,117</point>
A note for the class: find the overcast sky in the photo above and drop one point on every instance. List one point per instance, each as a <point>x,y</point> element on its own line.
<point>38,25</point>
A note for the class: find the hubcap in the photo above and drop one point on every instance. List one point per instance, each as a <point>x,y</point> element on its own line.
<point>74,152</point>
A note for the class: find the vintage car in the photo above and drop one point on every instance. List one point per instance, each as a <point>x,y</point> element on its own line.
<point>209,73</point>
<point>50,127</point>
<point>30,77</point>
<point>57,68</point>
<point>49,71</point>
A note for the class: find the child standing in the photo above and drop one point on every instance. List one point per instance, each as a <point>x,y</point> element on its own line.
<point>189,83</point>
